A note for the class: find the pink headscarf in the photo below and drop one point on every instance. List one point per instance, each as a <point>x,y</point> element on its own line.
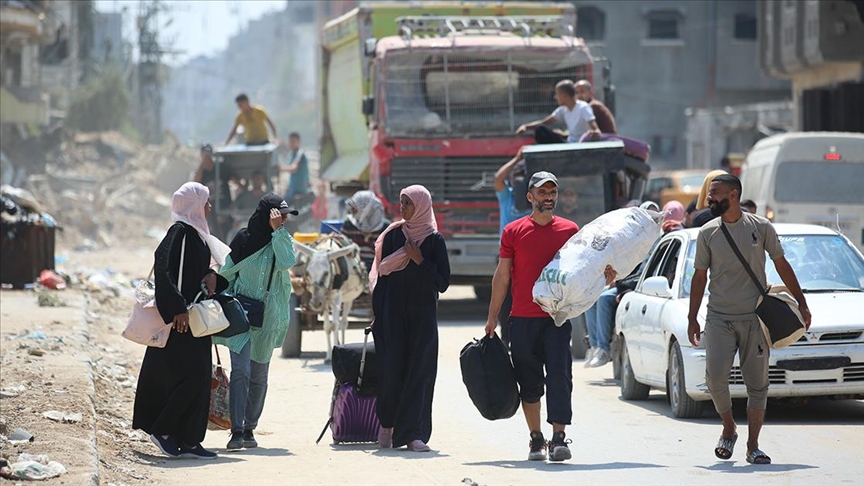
<point>674,211</point>
<point>187,206</point>
<point>418,228</point>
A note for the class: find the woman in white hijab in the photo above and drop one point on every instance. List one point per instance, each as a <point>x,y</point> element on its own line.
<point>172,401</point>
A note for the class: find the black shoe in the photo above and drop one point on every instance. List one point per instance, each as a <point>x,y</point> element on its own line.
<point>537,447</point>
<point>236,442</point>
<point>198,452</point>
<point>558,450</point>
<point>249,441</point>
<point>166,445</point>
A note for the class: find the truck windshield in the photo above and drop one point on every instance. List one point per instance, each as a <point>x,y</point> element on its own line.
<point>473,93</point>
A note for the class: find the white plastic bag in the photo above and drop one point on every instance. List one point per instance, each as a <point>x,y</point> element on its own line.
<point>573,281</point>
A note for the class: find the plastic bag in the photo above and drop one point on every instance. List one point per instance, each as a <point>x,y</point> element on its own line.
<point>35,471</point>
<point>573,281</point>
<point>219,417</point>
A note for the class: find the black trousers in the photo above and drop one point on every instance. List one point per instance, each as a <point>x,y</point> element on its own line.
<point>544,135</point>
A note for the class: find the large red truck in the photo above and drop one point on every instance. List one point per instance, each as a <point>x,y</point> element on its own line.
<point>432,93</point>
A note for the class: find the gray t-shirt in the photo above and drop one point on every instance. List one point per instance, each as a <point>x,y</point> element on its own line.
<point>732,293</point>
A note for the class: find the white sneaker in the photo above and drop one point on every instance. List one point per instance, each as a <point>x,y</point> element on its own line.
<point>600,358</point>
<point>589,355</point>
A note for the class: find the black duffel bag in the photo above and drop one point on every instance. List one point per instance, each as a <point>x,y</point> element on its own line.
<point>346,363</point>
<point>235,313</point>
<point>489,377</point>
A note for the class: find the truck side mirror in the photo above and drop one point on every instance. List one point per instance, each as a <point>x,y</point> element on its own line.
<point>368,105</point>
<point>369,47</point>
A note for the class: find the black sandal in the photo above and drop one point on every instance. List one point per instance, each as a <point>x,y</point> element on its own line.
<point>725,447</point>
<point>756,456</point>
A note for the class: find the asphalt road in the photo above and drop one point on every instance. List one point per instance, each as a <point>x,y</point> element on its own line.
<point>614,442</point>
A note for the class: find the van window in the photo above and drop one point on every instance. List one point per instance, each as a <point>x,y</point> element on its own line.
<point>819,182</point>
<point>752,182</point>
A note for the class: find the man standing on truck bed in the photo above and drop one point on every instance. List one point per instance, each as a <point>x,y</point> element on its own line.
<point>576,114</point>
<point>605,120</point>
<point>252,117</point>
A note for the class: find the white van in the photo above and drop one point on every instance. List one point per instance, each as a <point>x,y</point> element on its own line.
<point>809,177</point>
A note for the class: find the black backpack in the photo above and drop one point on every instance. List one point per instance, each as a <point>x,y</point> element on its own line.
<point>489,377</point>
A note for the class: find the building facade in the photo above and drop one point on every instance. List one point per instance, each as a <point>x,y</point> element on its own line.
<point>819,46</point>
<point>670,56</point>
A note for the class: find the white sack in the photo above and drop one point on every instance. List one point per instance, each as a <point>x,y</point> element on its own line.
<point>573,281</point>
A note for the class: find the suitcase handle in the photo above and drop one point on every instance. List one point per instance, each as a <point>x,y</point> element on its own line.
<point>366,333</point>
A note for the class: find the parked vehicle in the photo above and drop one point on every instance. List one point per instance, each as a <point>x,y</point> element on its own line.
<point>443,86</point>
<point>677,185</point>
<point>809,177</point>
<point>651,346</point>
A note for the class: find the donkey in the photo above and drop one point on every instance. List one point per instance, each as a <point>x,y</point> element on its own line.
<point>335,276</point>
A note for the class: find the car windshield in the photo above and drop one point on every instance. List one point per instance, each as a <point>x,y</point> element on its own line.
<point>694,182</point>
<point>822,263</point>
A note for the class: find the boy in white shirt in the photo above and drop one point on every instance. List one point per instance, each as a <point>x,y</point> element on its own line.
<point>576,114</point>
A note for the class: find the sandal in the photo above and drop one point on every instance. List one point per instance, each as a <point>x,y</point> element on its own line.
<point>725,447</point>
<point>756,456</point>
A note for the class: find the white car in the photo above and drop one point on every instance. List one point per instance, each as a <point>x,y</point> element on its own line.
<point>651,348</point>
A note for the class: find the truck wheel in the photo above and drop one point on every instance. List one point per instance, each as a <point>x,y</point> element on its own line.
<point>292,344</point>
<point>630,388</point>
<point>578,344</point>
<point>483,293</point>
<point>682,405</point>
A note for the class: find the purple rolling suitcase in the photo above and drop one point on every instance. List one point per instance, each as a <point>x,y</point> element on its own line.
<point>353,418</point>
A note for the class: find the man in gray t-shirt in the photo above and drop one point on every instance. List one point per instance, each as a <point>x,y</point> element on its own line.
<point>732,325</point>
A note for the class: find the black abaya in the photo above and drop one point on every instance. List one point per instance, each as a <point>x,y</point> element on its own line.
<point>406,338</point>
<point>173,395</point>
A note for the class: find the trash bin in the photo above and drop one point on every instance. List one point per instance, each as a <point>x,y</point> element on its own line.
<point>25,250</point>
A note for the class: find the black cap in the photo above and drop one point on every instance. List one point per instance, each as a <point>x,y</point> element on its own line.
<point>284,208</point>
<point>542,177</point>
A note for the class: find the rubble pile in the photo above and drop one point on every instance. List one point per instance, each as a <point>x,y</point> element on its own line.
<point>105,189</point>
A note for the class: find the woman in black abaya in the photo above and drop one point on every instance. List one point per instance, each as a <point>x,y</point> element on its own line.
<point>411,268</point>
<point>173,397</point>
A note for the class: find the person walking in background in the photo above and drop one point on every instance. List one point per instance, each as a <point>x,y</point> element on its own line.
<point>575,114</point>
<point>206,175</point>
<point>253,119</point>
<point>298,167</point>
<point>527,246</point>
<point>410,270</point>
<point>749,205</point>
<point>172,399</point>
<point>732,325</point>
<point>364,223</point>
<point>604,117</point>
<point>258,267</point>
<point>703,213</point>
<point>673,220</point>
<point>507,213</point>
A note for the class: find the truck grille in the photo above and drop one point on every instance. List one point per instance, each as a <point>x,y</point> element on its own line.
<point>448,179</point>
<point>829,338</point>
<point>776,376</point>
<point>853,372</point>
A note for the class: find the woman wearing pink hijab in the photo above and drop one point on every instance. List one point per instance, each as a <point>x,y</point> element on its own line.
<point>410,269</point>
<point>674,216</point>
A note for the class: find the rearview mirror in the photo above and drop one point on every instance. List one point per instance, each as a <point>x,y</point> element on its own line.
<point>369,47</point>
<point>368,105</point>
<point>657,286</point>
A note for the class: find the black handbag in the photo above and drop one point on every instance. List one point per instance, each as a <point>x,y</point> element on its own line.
<point>235,313</point>
<point>489,377</point>
<point>255,308</point>
<point>777,310</point>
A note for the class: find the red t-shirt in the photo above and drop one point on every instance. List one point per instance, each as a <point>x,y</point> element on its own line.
<point>531,247</point>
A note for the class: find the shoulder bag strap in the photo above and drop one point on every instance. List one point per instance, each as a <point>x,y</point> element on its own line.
<point>270,280</point>
<point>728,236</point>
<point>182,259</point>
<point>218,360</point>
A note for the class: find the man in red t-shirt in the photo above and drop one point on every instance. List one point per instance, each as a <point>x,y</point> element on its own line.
<point>527,246</point>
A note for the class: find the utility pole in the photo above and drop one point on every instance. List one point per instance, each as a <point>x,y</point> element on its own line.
<point>149,66</point>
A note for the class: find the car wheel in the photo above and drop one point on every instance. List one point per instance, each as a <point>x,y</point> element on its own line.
<point>630,388</point>
<point>682,405</point>
<point>578,342</point>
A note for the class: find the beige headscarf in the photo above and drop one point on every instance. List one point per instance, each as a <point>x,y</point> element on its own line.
<point>702,202</point>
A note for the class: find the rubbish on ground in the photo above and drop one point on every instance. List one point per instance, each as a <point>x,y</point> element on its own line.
<point>20,436</point>
<point>49,299</point>
<point>36,352</point>
<point>51,280</point>
<point>34,471</point>
<point>12,391</point>
<point>40,458</point>
<point>63,417</point>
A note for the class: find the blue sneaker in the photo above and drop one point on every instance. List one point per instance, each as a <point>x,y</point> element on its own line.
<point>198,452</point>
<point>166,445</point>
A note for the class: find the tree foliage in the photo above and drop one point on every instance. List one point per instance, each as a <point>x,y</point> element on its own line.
<point>100,104</point>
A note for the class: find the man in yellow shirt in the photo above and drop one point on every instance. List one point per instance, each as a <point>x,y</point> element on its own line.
<point>252,117</point>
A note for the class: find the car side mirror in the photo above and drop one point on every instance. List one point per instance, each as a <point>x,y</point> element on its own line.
<point>657,286</point>
<point>368,105</point>
<point>369,47</point>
